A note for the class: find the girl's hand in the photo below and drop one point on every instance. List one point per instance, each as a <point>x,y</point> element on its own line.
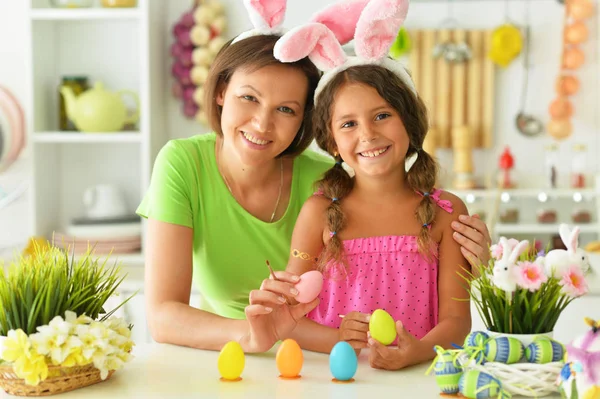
<point>474,238</point>
<point>354,329</point>
<point>407,352</point>
<point>269,317</point>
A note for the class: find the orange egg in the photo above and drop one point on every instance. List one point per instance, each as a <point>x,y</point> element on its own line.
<point>580,9</point>
<point>567,85</point>
<point>289,359</point>
<point>576,33</point>
<point>560,128</point>
<point>573,58</point>
<point>561,108</point>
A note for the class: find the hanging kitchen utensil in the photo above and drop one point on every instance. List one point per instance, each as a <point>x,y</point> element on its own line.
<point>507,41</point>
<point>527,124</point>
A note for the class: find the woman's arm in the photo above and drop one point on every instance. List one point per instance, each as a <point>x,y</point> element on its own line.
<point>168,280</point>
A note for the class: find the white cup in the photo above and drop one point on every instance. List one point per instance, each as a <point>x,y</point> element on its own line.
<point>104,201</point>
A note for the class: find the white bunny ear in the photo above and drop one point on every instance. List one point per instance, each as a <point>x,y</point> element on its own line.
<point>378,27</point>
<point>266,13</point>
<point>313,40</point>
<point>341,18</point>
<point>505,247</point>
<point>565,233</point>
<point>573,240</point>
<point>517,251</point>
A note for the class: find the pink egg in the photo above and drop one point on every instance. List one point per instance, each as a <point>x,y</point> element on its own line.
<point>309,286</point>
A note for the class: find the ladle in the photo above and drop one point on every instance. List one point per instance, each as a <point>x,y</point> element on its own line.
<point>528,125</point>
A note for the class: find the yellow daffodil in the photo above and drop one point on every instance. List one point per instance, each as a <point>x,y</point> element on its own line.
<point>16,345</point>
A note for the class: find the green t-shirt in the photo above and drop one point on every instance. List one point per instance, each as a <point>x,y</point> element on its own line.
<point>230,245</point>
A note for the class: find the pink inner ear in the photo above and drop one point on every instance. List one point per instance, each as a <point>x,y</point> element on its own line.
<point>272,11</point>
<point>328,53</point>
<point>378,27</point>
<point>341,18</point>
<point>313,40</point>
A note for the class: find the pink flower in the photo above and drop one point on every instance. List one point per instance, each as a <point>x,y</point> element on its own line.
<point>496,249</point>
<point>573,282</point>
<point>530,275</point>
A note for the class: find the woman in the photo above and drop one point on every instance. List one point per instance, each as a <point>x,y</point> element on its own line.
<point>220,205</point>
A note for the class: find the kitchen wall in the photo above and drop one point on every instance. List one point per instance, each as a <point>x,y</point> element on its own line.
<point>546,22</point>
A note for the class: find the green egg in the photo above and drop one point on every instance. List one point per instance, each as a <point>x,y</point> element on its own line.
<point>544,350</point>
<point>504,349</point>
<point>382,327</point>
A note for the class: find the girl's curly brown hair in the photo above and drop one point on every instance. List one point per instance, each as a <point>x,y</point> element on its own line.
<point>337,183</point>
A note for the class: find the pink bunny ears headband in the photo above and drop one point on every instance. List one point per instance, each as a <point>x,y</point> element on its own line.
<point>266,17</point>
<point>374,25</point>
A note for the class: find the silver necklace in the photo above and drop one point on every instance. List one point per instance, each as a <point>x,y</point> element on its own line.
<point>278,195</point>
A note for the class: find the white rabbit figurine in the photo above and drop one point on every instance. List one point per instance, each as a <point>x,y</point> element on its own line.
<point>558,261</point>
<point>503,275</point>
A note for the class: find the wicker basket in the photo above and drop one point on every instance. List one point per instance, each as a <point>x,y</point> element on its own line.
<point>526,379</point>
<point>60,379</point>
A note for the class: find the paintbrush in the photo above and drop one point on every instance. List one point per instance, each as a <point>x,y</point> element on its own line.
<point>275,278</point>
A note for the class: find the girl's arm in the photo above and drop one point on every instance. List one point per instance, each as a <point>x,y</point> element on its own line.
<point>454,311</point>
<point>308,241</point>
<point>168,280</point>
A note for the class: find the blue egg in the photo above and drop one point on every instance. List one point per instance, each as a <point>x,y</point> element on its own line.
<point>342,361</point>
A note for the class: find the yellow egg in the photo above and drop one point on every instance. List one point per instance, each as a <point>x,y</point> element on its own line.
<point>289,359</point>
<point>382,327</point>
<point>231,361</point>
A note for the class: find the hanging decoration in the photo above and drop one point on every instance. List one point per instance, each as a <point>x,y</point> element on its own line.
<point>198,38</point>
<point>575,32</point>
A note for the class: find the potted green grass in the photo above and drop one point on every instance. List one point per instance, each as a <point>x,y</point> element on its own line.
<point>55,334</point>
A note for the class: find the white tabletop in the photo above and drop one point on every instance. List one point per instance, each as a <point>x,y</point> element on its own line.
<point>167,371</point>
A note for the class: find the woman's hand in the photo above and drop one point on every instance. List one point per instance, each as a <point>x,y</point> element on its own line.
<point>270,315</point>
<point>354,329</point>
<point>408,352</point>
<point>474,238</point>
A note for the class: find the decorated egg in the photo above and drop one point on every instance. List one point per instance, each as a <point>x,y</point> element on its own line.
<point>382,327</point>
<point>560,128</point>
<point>567,85</point>
<point>231,361</point>
<point>503,349</point>
<point>544,350</point>
<point>447,371</point>
<point>342,361</point>
<point>289,359</point>
<point>309,286</point>
<point>561,108</point>
<point>475,384</point>
<point>476,339</point>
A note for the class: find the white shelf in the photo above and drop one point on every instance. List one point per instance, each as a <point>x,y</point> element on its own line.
<point>79,137</point>
<point>525,192</point>
<point>83,14</point>
<point>506,228</point>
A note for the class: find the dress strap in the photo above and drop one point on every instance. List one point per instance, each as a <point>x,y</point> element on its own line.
<point>435,196</point>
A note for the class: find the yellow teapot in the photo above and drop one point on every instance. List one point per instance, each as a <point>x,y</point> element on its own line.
<point>99,110</point>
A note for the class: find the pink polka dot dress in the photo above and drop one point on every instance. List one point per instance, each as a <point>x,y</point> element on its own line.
<point>384,273</point>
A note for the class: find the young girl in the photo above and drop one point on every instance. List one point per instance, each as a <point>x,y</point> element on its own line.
<point>383,237</point>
